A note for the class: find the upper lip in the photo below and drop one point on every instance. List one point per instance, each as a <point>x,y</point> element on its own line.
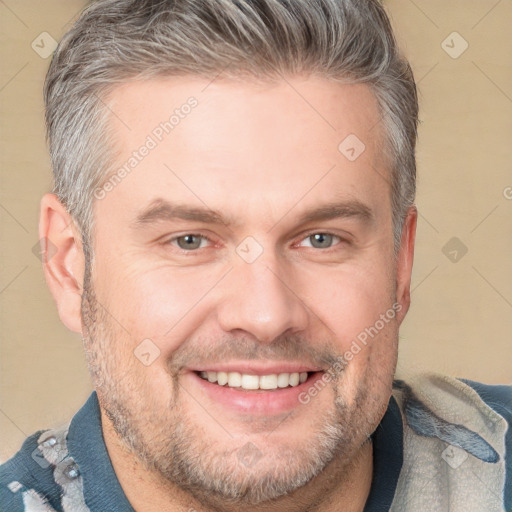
<point>258,367</point>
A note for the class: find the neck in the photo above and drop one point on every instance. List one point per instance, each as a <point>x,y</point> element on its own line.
<point>340,483</point>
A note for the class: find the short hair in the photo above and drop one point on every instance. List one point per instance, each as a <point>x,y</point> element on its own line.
<point>117,41</point>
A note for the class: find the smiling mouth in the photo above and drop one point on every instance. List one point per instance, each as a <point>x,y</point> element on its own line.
<point>274,381</point>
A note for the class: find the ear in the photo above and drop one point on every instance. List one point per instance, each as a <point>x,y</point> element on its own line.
<point>404,262</point>
<point>63,260</point>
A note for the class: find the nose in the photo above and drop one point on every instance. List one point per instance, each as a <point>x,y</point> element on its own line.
<point>259,301</point>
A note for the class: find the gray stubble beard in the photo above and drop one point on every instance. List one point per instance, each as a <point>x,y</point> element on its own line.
<point>185,459</point>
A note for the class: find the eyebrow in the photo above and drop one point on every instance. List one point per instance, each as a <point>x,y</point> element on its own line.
<point>161,210</point>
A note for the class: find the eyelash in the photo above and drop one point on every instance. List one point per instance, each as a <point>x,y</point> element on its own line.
<point>205,237</point>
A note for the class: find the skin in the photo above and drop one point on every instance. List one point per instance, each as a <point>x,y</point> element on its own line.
<point>262,155</point>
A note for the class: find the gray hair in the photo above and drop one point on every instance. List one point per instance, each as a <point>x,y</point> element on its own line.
<point>116,41</point>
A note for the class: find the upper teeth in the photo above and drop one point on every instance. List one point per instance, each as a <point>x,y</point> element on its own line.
<point>246,381</point>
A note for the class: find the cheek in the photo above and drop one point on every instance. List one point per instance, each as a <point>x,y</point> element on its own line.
<point>357,305</point>
<point>350,299</point>
<point>161,303</point>
<point>361,312</point>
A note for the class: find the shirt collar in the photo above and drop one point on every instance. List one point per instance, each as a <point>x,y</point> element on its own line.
<point>102,490</point>
<point>387,459</point>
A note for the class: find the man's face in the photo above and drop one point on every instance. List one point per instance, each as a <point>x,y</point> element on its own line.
<point>249,244</point>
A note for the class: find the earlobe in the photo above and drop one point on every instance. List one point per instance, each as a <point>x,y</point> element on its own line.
<point>405,261</point>
<point>63,260</point>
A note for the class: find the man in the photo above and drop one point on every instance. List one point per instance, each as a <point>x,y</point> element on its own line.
<point>234,220</point>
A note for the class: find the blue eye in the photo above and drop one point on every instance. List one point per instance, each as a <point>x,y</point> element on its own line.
<point>322,240</point>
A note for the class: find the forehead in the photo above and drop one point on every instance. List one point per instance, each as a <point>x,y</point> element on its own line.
<point>239,144</point>
<point>327,107</point>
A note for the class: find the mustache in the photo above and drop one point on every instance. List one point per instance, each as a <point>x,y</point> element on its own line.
<point>285,348</point>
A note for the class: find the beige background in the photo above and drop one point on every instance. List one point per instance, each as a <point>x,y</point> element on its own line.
<point>461,318</point>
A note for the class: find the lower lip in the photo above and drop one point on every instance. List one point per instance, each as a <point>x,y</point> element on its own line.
<point>264,402</point>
